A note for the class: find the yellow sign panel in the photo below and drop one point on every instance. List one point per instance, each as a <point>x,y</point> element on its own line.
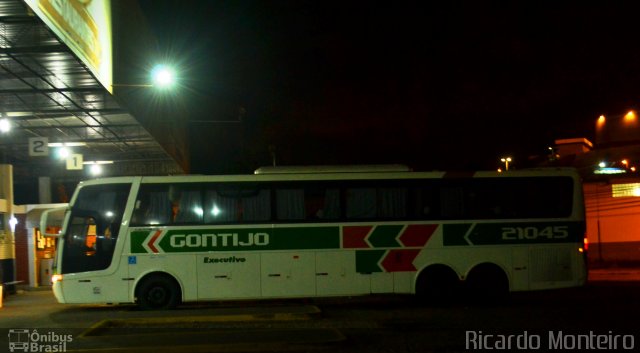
<point>84,26</point>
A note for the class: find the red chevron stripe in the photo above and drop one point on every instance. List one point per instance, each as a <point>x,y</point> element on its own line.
<point>153,240</point>
<point>417,234</point>
<point>354,236</point>
<point>400,260</point>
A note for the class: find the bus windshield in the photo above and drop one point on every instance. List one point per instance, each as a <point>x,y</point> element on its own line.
<point>93,227</point>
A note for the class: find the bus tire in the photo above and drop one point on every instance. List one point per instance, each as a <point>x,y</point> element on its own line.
<point>156,292</point>
<point>437,284</point>
<point>487,284</point>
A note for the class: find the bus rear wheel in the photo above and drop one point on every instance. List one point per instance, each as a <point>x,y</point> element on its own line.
<point>158,292</point>
<point>487,284</point>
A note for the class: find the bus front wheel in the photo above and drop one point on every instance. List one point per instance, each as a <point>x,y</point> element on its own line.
<point>158,292</point>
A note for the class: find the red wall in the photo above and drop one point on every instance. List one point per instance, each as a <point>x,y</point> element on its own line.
<point>22,250</point>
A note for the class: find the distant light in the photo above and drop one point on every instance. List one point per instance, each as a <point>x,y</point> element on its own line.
<point>198,210</point>
<point>95,169</point>
<point>602,164</point>
<point>97,162</point>
<point>625,162</point>
<point>499,170</point>
<point>162,76</point>
<point>215,211</point>
<point>13,221</point>
<point>609,170</point>
<point>64,152</point>
<point>5,125</point>
<point>630,117</point>
<point>66,144</point>
<point>633,169</point>
<point>601,121</point>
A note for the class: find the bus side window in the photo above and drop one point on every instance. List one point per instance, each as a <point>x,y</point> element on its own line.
<point>159,210</point>
<point>392,203</point>
<point>331,207</point>
<point>290,204</point>
<point>221,207</point>
<point>236,205</point>
<point>427,202</point>
<point>361,203</point>
<point>452,202</point>
<point>187,207</point>
<point>256,205</point>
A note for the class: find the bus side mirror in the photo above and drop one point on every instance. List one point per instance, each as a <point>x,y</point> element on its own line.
<point>50,219</point>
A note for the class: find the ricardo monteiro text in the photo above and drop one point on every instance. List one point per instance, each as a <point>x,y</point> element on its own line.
<point>558,340</point>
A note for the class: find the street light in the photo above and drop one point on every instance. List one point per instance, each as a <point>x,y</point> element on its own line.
<point>506,161</point>
<point>161,76</point>
<point>95,169</point>
<point>64,152</point>
<point>630,117</point>
<point>5,125</point>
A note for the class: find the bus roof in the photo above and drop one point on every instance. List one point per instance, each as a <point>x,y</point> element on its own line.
<point>372,168</point>
<point>337,176</point>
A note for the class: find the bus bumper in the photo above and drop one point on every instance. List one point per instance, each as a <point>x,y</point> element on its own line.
<point>57,292</point>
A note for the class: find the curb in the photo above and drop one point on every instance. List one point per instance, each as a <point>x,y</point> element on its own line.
<point>101,327</point>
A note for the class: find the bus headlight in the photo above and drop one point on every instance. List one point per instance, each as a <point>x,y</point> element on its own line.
<point>56,278</point>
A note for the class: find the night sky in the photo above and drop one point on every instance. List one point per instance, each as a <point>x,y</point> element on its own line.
<point>435,85</point>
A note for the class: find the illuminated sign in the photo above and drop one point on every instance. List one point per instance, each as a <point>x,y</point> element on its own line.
<point>625,190</point>
<point>85,27</point>
<point>609,170</point>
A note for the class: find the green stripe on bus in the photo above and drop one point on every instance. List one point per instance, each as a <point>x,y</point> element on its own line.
<point>453,234</point>
<point>307,238</point>
<point>137,238</point>
<point>367,260</point>
<point>243,239</point>
<point>385,236</point>
<point>513,233</point>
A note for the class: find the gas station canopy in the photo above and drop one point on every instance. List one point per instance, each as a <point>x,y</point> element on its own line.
<point>50,97</point>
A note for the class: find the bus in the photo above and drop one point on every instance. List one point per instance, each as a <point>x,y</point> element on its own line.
<point>315,232</point>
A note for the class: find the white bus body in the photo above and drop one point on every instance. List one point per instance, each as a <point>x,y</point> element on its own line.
<point>160,241</point>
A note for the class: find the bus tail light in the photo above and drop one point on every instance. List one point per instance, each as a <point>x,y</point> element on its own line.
<point>585,243</point>
<point>56,278</point>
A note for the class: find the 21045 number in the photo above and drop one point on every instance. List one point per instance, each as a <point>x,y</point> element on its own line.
<point>520,233</point>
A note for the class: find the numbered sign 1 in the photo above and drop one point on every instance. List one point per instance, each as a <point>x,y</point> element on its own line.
<point>74,162</point>
<point>38,146</point>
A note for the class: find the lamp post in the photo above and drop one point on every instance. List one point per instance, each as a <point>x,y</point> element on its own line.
<point>506,161</point>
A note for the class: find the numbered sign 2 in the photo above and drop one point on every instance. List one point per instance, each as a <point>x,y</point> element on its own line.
<point>74,161</point>
<point>38,146</point>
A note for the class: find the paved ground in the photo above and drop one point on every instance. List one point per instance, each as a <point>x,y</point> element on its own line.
<point>614,274</point>
<point>361,325</point>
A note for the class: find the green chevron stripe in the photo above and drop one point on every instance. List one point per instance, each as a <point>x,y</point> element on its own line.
<point>453,234</point>
<point>385,236</point>
<point>367,260</point>
<point>136,239</point>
